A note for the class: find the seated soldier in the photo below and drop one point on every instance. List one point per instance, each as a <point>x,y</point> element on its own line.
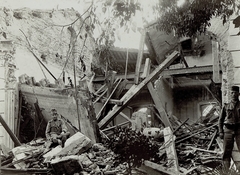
<point>56,131</point>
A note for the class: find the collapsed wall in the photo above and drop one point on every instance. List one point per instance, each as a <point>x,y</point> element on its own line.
<point>43,35</point>
<point>47,35</point>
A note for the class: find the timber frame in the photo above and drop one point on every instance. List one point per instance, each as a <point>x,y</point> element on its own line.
<point>153,69</point>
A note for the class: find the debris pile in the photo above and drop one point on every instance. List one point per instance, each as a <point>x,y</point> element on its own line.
<point>78,155</point>
<point>197,146</point>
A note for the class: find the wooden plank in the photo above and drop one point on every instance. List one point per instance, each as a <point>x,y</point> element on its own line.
<point>216,62</point>
<point>112,127</point>
<point>147,68</point>
<point>170,148</point>
<point>202,150</point>
<point>112,101</point>
<point>172,72</point>
<point>159,105</point>
<point>161,169</point>
<point>9,131</point>
<point>139,57</point>
<point>103,86</point>
<point>183,123</point>
<point>104,105</point>
<point>212,139</point>
<point>100,96</point>
<point>136,89</point>
<point>179,141</point>
<point>125,116</point>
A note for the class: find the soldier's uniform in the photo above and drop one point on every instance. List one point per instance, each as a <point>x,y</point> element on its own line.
<point>229,128</point>
<point>56,131</point>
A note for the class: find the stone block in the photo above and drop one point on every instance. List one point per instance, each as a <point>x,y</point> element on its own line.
<point>76,144</point>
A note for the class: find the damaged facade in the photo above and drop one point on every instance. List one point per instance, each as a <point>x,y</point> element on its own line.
<point>176,87</point>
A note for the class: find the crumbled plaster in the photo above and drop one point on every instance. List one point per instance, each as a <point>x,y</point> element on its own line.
<point>48,34</point>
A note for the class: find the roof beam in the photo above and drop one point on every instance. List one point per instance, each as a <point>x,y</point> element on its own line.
<point>189,70</point>
<point>171,72</point>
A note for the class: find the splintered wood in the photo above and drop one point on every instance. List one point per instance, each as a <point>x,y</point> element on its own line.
<point>170,148</point>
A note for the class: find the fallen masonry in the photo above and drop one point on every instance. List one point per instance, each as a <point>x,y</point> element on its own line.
<point>78,155</point>
<point>189,149</point>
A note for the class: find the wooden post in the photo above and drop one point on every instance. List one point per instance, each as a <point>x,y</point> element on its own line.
<point>216,65</point>
<point>147,67</point>
<point>139,57</point>
<point>11,134</point>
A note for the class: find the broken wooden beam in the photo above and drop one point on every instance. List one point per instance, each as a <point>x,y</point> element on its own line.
<point>113,127</point>
<point>9,131</point>
<point>169,72</point>
<point>135,89</point>
<point>197,133</point>
<point>104,92</point>
<point>202,150</point>
<point>147,68</point>
<point>100,96</point>
<point>104,105</point>
<point>180,125</point>
<point>112,101</point>
<point>159,169</point>
<point>170,149</point>
<point>159,106</point>
<point>139,57</point>
<point>125,116</point>
<point>212,139</point>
